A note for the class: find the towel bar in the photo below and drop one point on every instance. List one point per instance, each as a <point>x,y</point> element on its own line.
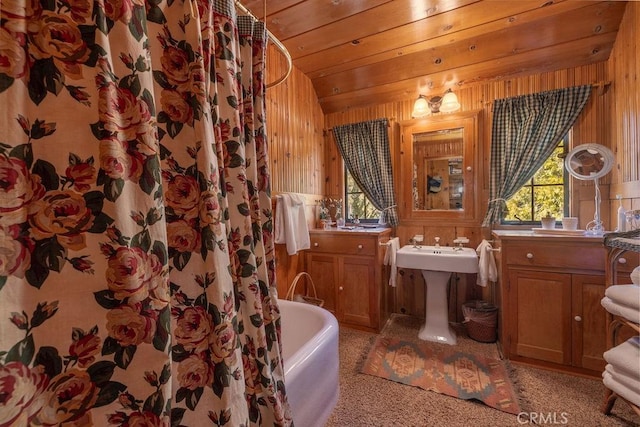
<point>385,243</point>
<point>491,249</point>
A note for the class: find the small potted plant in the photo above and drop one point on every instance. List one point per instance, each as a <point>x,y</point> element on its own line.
<point>548,222</point>
<point>323,213</point>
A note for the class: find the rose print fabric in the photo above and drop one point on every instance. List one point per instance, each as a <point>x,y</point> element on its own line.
<point>136,255</point>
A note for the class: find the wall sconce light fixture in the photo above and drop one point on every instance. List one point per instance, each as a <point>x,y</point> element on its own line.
<point>448,103</point>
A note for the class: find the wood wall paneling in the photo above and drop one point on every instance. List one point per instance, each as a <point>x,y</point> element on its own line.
<point>624,130</point>
<point>295,126</point>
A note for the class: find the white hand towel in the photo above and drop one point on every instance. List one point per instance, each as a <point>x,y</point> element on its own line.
<point>486,264</point>
<point>279,232</point>
<point>298,225</point>
<point>390,259</point>
<point>291,223</point>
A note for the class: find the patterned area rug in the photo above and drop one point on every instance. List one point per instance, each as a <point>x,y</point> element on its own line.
<point>443,370</point>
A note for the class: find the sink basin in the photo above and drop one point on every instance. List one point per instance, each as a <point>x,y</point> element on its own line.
<point>437,263</point>
<point>438,258</point>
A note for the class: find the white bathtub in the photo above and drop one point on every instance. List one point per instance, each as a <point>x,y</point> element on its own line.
<point>310,352</point>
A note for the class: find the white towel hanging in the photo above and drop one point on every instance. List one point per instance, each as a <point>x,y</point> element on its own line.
<point>487,271</point>
<point>291,223</point>
<point>390,259</point>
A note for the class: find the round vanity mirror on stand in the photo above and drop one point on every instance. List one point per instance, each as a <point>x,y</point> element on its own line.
<point>590,162</point>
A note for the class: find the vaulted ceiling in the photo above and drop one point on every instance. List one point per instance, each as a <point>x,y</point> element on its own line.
<point>361,52</point>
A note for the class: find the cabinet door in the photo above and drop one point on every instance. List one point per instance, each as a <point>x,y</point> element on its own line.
<point>324,272</point>
<point>355,290</point>
<point>589,318</point>
<point>541,322</point>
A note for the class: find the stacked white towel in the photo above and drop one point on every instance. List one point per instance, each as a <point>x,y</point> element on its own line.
<point>624,301</point>
<point>291,223</point>
<point>390,259</point>
<point>625,358</point>
<point>622,373</point>
<point>628,295</point>
<point>635,276</point>
<point>620,386</point>
<point>487,271</point>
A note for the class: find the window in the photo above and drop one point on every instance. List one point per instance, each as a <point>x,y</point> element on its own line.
<point>358,206</point>
<point>546,192</point>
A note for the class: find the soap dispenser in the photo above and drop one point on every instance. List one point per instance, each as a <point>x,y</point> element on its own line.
<point>622,215</point>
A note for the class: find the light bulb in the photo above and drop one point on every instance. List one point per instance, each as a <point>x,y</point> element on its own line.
<point>449,102</point>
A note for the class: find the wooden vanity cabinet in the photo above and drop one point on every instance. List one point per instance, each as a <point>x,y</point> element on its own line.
<point>550,292</point>
<point>348,273</point>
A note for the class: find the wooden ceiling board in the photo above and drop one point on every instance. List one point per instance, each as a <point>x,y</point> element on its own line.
<point>569,55</point>
<point>372,21</point>
<point>485,47</point>
<point>311,15</point>
<point>347,56</point>
<point>441,29</point>
<point>404,47</point>
<point>273,6</point>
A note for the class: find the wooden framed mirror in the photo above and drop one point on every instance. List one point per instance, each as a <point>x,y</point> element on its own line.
<point>439,162</point>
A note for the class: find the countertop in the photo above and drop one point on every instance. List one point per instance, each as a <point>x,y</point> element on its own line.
<point>555,235</point>
<point>349,230</point>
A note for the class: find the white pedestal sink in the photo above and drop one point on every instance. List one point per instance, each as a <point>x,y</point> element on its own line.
<point>437,263</point>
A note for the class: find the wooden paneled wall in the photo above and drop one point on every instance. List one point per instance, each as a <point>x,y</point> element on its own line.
<point>304,157</point>
<point>297,150</point>
<point>624,66</point>
<point>295,125</point>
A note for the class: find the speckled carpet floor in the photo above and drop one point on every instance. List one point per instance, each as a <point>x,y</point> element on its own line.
<point>548,398</point>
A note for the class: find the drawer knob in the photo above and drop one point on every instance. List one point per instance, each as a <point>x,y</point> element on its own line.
<point>622,260</point>
<point>341,288</point>
<point>316,244</point>
<point>529,255</point>
<point>359,246</point>
<point>578,319</point>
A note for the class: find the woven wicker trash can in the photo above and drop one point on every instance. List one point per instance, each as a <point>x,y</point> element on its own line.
<point>481,319</point>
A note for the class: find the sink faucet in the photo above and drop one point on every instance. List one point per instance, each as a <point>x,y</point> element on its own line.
<point>460,242</point>
<point>437,242</point>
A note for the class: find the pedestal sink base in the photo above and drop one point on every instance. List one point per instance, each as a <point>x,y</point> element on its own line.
<point>436,325</point>
<point>432,260</point>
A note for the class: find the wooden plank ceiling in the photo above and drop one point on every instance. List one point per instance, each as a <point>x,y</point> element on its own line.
<point>364,52</point>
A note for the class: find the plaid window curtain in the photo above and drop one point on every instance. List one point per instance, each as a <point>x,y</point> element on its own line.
<point>365,149</point>
<point>526,129</point>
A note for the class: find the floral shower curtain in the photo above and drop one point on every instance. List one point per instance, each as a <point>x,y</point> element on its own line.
<point>136,255</point>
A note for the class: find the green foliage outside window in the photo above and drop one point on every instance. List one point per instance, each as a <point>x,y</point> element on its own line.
<point>357,203</point>
<point>544,193</point>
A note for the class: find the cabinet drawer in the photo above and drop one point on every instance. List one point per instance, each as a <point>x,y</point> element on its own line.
<point>562,256</point>
<point>627,262</point>
<point>349,245</point>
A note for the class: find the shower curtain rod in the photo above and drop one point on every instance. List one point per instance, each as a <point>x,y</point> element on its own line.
<point>275,41</point>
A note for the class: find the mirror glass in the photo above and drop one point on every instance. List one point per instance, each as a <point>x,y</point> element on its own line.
<point>438,179</point>
<point>589,161</point>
